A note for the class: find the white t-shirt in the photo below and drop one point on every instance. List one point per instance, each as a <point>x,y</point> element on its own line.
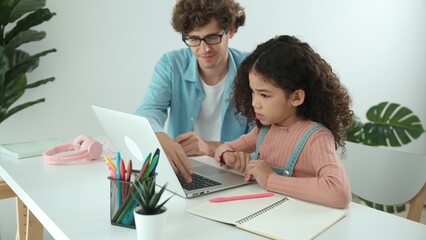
<point>208,125</point>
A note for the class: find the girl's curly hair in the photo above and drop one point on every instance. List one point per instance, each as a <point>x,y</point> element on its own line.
<point>290,64</point>
<point>191,14</point>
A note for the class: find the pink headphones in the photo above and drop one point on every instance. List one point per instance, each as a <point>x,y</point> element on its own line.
<point>83,147</point>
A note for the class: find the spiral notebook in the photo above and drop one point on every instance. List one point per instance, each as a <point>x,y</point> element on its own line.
<point>273,217</point>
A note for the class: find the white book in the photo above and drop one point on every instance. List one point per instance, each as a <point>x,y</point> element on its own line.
<point>276,217</point>
<point>28,149</point>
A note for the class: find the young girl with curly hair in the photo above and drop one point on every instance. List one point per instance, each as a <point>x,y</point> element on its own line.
<point>301,111</point>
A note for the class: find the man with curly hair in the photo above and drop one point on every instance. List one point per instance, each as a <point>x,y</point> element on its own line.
<point>191,86</point>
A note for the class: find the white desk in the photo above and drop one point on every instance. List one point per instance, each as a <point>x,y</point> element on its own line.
<point>72,202</point>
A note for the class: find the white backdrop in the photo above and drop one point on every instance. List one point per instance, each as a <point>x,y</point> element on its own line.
<point>107,50</point>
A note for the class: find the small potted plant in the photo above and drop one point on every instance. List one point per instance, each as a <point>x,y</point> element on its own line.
<point>150,214</point>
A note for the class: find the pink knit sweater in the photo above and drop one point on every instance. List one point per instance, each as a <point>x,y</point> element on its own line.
<point>318,175</point>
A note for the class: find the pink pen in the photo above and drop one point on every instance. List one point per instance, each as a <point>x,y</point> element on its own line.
<point>241,197</point>
<point>112,173</point>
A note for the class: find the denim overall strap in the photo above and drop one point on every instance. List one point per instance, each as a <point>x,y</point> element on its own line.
<point>288,170</point>
<point>260,139</point>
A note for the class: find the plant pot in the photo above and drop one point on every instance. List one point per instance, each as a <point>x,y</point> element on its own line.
<point>150,227</point>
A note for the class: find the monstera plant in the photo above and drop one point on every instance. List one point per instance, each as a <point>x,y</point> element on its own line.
<point>390,124</point>
<point>17,17</point>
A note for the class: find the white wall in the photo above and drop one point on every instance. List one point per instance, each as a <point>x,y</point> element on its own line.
<point>107,50</point>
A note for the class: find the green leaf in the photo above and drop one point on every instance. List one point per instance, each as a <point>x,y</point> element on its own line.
<point>18,56</point>
<point>6,7</point>
<point>15,63</point>
<point>159,206</point>
<point>40,82</point>
<point>26,6</point>
<point>21,68</point>
<point>148,197</point>
<point>154,200</point>
<point>355,132</point>
<point>13,91</point>
<point>4,67</point>
<point>16,88</point>
<point>390,209</point>
<point>24,37</point>
<point>137,197</point>
<point>379,207</point>
<point>400,208</point>
<point>18,108</point>
<point>385,208</point>
<point>391,125</point>
<point>27,65</point>
<point>30,20</point>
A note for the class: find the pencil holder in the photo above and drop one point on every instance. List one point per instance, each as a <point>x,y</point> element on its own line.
<point>122,203</point>
<point>120,192</point>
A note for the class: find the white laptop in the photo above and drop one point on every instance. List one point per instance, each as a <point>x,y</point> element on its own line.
<point>134,138</point>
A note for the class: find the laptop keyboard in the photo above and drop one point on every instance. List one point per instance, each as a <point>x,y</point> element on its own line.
<point>197,182</point>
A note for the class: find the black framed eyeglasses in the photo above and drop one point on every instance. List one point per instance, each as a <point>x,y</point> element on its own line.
<point>212,39</point>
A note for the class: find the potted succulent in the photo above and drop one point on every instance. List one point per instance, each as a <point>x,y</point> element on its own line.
<point>148,199</point>
<point>19,17</point>
<point>150,215</point>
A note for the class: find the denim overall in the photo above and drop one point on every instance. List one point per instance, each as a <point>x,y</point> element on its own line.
<point>288,170</point>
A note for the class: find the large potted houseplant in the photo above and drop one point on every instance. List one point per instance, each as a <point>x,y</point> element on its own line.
<point>390,125</point>
<point>17,18</point>
<point>150,214</point>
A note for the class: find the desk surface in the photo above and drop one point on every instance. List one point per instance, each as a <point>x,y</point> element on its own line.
<point>72,202</point>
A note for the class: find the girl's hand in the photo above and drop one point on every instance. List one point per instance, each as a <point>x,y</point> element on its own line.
<point>259,170</point>
<point>237,160</point>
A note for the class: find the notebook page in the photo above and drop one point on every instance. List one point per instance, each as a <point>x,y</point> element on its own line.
<point>232,211</point>
<point>294,219</point>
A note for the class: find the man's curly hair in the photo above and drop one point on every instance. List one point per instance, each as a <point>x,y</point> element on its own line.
<point>191,14</point>
<point>290,64</point>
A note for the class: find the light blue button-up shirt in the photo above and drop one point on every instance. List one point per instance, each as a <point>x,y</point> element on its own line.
<point>175,87</point>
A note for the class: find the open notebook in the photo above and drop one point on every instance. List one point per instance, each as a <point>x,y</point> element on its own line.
<point>274,217</point>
